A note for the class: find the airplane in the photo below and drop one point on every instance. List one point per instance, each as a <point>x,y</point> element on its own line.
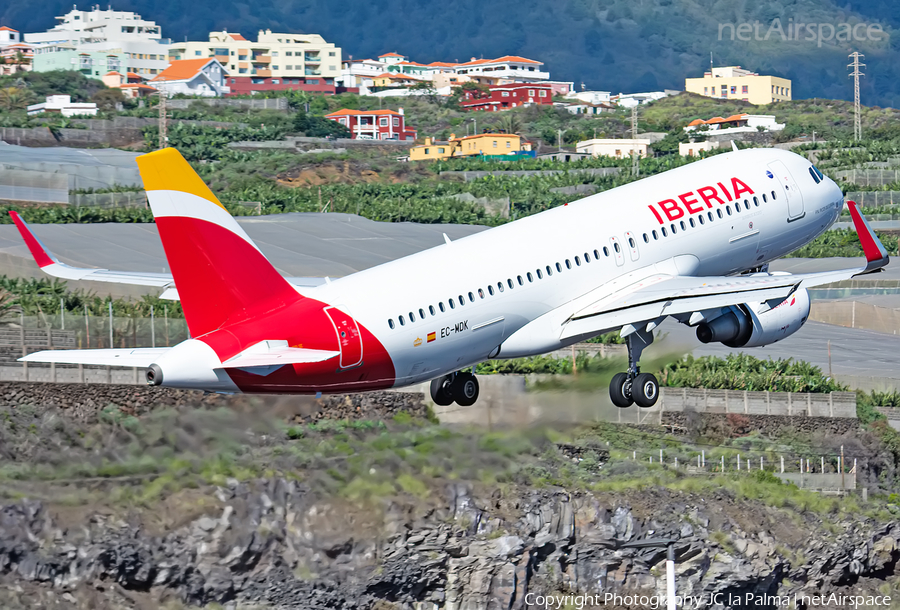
<point>692,244</point>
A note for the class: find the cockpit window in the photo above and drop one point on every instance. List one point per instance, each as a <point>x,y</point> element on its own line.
<point>821,175</point>
<point>814,174</point>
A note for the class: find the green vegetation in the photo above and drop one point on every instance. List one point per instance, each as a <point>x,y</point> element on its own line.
<point>841,242</point>
<point>41,297</point>
<point>743,372</point>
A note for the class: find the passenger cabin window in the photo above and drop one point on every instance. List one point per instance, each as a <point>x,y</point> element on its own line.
<point>700,218</point>
<point>509,283</point>
<point>452,304</point>
<point>421,314</point>
<point>471,298</point>
<point>674,229</point>
<point>691,220</point>
<point>587,257</point>
<point>568,264</point>
<point>462,300</point>
<point>655,234</point>
<point>500,286</point>
<point>728,209</point>
<point>683,227</point>
<point>664,234</point>
<point>559,267</point>
<point>773,197</point>
<point>764,200</point>
<point>481,293</point>
<point>646,239</point>
<point>431,309</point>
<point>412,317</point>
<point>709,214</point>
<point>538,271</point>
<point>529,276</point>
<point>605,251</point>
<point>441,307</point>
<point>549,271</point>
<point>719,212</point>
<point>491,290</point>
<point>521,282</point>
<point>577,261</point>
<point>402,321</point>
<point>391,324</point>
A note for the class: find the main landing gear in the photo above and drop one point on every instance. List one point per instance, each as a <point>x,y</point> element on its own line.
<point>634,387</point>
<point>460,387</point>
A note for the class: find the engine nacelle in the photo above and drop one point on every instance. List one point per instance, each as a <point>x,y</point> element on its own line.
<point>744,325</point>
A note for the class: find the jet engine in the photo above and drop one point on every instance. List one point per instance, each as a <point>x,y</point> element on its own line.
<point>756,324</point>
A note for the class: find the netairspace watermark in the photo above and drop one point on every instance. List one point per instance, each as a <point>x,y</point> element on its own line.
<point>655,602</point>
<point>819,33</point>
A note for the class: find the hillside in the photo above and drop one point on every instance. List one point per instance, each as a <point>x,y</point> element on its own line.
<point>615,45</point>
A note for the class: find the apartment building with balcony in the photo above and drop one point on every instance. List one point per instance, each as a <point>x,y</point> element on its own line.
<point>374,124</point>
<point>275,61</point>
<point>135,42</point>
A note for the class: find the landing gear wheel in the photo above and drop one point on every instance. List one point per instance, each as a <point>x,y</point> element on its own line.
<point>464,389</point>
<point>645,390</point>
<point>440,391</point>
<point>620,390</point>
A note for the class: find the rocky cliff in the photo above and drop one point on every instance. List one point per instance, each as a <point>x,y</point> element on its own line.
<point>274,543</point>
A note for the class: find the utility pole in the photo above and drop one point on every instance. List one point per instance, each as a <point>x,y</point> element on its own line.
<point>163,121</point>
<point>857,125</point>
<point>559,139</point>
<point>635,156</point>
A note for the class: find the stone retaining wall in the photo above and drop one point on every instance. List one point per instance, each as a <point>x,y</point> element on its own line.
<point>85,400</point>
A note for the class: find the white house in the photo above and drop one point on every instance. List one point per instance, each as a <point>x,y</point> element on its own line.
<point>590,97</point>
<point>693,149</point>
<point>204,77</point>
<point>736,123</point>
<point>63,104</point>
<point>618,148</point>
<point>628,100</point>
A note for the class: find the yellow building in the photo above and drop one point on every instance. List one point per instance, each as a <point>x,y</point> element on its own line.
<point>487,144</point>
<point>735,83</point>
<point>272,55</point>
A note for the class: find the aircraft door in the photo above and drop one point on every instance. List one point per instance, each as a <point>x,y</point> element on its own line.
<point>616,248</point>
<point>632,245</point>
<point>789,190</point>
<point>348,336</point>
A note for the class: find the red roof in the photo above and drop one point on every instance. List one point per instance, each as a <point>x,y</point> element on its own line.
<point>136,86</point>
<point>183,69</point>
<point>504,59</point>
<point>443,64</point>
<point>7,29</point>
<point>348,112</point>
<point>133,75</point>
<point>392,55</point>
<point>236,37</point>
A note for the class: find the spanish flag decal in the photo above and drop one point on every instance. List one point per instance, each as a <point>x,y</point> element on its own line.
<point>431,337</point>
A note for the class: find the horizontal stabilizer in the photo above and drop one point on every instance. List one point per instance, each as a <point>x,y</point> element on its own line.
<point>276,354</point>
<point>141,357</point>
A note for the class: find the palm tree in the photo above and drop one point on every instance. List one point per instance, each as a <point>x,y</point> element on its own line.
<point>510,123</point>
<point>13,98</point>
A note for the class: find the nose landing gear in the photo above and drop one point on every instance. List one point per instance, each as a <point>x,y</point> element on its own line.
<point>461,388</point>
<point>632,386</point>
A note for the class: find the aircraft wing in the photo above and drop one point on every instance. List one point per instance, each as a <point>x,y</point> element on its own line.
<point>51,265</point>
<point>141,357</point>
<point>663,295</point>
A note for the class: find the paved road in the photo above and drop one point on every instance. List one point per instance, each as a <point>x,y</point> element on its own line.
<point>854,351</point>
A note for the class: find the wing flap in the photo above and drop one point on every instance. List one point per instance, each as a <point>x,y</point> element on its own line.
<point>139,357</point>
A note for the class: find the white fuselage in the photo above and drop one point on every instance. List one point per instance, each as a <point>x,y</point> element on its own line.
<point>510,314</point>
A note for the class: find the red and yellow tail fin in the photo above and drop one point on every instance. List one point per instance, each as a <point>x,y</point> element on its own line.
<point>220,274</point>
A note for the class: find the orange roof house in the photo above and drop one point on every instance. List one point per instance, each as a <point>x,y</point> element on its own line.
<point>203,76</point>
